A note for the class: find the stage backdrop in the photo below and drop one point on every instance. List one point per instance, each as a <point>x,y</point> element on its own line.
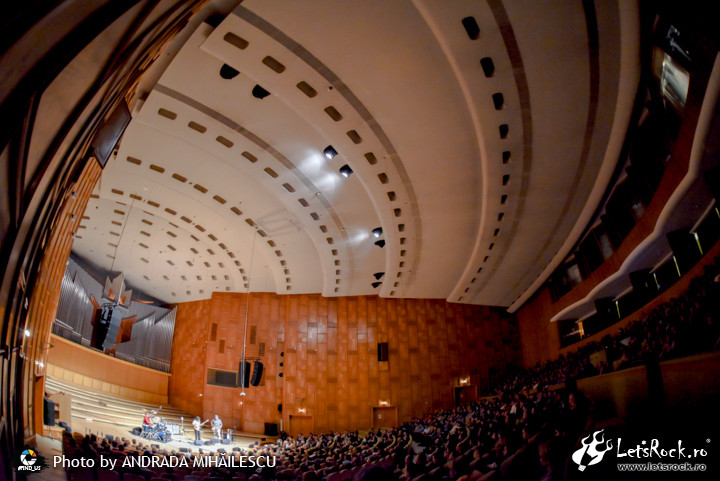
<point>328,347</point>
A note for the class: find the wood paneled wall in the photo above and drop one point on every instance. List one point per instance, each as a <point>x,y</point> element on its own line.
<point>75,363</point>
<point>331,368</point>
<point>43,302</point>
<point>188,356</point>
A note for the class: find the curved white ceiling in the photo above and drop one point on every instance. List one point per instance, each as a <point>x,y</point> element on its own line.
<point>219,189</point>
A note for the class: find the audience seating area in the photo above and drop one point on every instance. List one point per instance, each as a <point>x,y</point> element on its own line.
<point>526,431</point>
<point>685,325</point>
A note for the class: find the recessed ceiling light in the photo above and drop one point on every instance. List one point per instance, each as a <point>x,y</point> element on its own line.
<point>330,152</point>
<point>377,232</point>
<point>345,170</point>
<point>378,275</point>
<point>376,284</point>
<point>380,243</point>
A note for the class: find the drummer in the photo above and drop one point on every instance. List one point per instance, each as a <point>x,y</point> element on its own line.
<point>147,422</point>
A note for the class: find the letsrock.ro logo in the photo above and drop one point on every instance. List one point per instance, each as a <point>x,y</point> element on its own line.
<point>594,446</point>
<point>590,448</point>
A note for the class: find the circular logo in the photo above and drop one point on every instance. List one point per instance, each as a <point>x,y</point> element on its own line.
<point>28,457</point>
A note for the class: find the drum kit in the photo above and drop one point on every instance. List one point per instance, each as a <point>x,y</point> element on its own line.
<point>160,430</point>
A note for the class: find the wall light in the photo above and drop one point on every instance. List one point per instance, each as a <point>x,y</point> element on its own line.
<point>377,231</point>
<point>330,152</point>
<point>345,170</point>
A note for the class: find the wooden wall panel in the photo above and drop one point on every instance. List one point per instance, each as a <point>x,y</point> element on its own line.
<point>330,361</point>
<point>43,302</point>
<point>187,362</point>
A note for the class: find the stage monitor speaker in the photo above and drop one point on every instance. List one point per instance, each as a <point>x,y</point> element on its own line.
<point>184,450</point>
<point>243,379</point>
<point>257,374</point>
<point>271,429</point>
<point>137,431</point>
<point>382,351</point>
<point>213,441</point>
<point>221,451</point>
<point>198,442</point>
<point>209,443</point>
<point>226,441</point>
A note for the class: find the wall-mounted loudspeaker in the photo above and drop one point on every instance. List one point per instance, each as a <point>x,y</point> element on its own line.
<point>257,374</point>
<point>382,351</point>
<point>243,377</point>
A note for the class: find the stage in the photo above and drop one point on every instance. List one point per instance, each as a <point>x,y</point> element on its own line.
<point>240,441</point>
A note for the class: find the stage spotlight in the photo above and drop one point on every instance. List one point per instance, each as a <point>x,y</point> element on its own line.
<point>27,333</point>
<point>380,243</point>
<point>345,170</point>
<point>330,152</point>
<point>378,275</point>
<point>376,284</point>
<point>377,231</point>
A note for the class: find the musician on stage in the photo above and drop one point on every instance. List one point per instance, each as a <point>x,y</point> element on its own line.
<point>197,425</point>
<point>216,424</point>
<point>147,422</point>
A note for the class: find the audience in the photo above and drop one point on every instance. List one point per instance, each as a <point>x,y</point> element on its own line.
<point>525,432</point>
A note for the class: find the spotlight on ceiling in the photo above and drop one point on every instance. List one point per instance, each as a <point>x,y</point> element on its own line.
<point>376,284</point>
<point>377,231</point>
<point>330,152</point>
<point>380,243</point>
<point>378,275</point>
<point>345,170</point>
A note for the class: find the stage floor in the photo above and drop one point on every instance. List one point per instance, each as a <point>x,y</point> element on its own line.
<point>240,441</point>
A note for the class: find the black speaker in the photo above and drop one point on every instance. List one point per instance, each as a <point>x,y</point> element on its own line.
<point>109,134</point>
<point>137,431</point>
<point>184,450</point>
<point>226,441</point>
<point>712,179</point>
<point>198,442</point>
<point>213,441</point>
<point>382,351</point>
<point>243,379</point>
<point>271,429</point>
<point>210,442</point>
<point>48,412</point>
<point>684,248</point>
<point>257,373</point>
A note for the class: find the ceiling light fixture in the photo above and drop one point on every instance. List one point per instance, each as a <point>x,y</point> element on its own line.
<point>377,232</point>
<point>378,275</point>
<point>380,243</point>
<point>330,152</point>
<point>376,284</point>
<point>345,170</point>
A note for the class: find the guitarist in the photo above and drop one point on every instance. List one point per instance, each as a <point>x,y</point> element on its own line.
<point>197,425</point>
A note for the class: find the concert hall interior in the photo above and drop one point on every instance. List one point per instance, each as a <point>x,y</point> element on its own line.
<point>326,216</point>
